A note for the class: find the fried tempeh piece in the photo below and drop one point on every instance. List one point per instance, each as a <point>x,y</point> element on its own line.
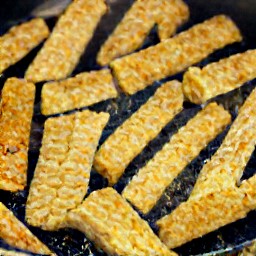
<point>111,223</point>
<point>199,85</point>
<point>80,91</point>
<point>147,186</point>
<point>134,134</point>
<point>4,252</point>
<point>196,218</point>
<point>73,31</point>
<point>226,166</point>
<point>15,124</point>
<point>131,32</point>
<point>16,234</point>
<point>20,40</point>
<point>62,174</point>
<point>138,70</point>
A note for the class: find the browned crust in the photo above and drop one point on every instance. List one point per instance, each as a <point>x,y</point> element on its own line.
<point>80,91</point>
<point>16,234</point>
<point>147,186</point>
<point>68,40</point>
<point>15,124</point>
<point>111,223</point>
<point>138,70</point>
<point>20,40</point>
<point>134,134</point>
<point>63,170</point>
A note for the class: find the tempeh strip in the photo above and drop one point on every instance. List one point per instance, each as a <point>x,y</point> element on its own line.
<point>138,70</point>
<point>111,223</point>
<point>209,212</point>
<point>15,124</point>
<point>131,32</point>
<point>80,91</point>
<point>16,234</point>
<point>199,85</point>
<point>226,166</point>
<point>73,31</point>
<point>136,132</point>
<point>4,252</point>
<point>147,186</point>
<point>20,40</point>
<point>62,173</point>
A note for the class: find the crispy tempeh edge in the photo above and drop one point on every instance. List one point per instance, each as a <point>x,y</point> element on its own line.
<point>138,70</point>
<point>111,223</point>
<point>20,40</point>
<point>227,165</point>
<point>129,139</point>
<point>147,186</point>
<point>15,124</point>
<point>217,78</point>
<point>196,218</point>
<point>16,234</point>
<point>73,31</point>
<point>62,173</point>
<point>80,91</point>
<point>131,32</point>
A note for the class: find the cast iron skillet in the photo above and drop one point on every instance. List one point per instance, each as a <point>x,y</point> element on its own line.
<point>228,239</point>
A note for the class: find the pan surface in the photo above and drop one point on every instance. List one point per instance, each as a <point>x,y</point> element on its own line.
<point>65,242</point>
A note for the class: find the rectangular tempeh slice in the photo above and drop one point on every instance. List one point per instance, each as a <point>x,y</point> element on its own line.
<point>131,32</point>
<point>147,186</point>
<point>16,234</point>
<point>226,166</point>
<point>217,78</point>
<point>20,40</point>
<point>138,70</point>
<point>70,36</point>
<point>111,223</point>
<point>209,212</point>
<point>136,132</point>
<point>63,170</point>
<point>80,91</point>
<point>15,123</point>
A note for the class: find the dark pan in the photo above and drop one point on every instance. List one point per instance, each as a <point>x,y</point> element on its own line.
<point>230,238</point>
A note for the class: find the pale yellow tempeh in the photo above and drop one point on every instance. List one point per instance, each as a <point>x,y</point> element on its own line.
<point>15,123</point>
<point>73,31</point>
<point>138,70</point>
<point>80,91</point>
<point>199,85</point>
<point>131,32</point>
<point>226,166</point>
<point>16,234</point>
<point>136,132</point>
<point>209,212</point>
<point>20,40</point>
<point>63,170</point>
<point>147,186</point>
<point>111,223</point>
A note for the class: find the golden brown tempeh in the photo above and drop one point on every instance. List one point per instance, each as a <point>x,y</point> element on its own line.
<point>199,85</point>
<point>73,31</point>
<point>147,186</point>
<point>80,91</point>
<point>111,223</point>
<point>15,123</point>
<point>62,174</point>
<point>131,32</point>
<point>16,234</point>
<point>226,166</point>
<point>20,40</point>
<point>209,212</point>
<point>138,70</point>
<point>134,134</point>
<point>4,252</point>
